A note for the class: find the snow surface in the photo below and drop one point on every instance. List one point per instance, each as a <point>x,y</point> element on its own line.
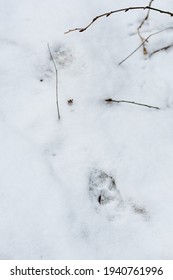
<point>48,210</point>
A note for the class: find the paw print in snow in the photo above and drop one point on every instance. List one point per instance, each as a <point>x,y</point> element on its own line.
<point>102,188</point>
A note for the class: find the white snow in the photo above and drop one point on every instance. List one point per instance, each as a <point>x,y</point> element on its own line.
<point>47,208</point>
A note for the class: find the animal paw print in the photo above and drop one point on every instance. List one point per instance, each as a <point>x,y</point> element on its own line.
<point>102,187</point>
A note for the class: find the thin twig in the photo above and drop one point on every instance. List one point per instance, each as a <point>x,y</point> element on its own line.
<point>147,16</point>
<point>153,34</point>
<point>56,71</point>
<point>117,11</point>
<point>162,49</point>
<point>131,102</point>
<point>140,26</point>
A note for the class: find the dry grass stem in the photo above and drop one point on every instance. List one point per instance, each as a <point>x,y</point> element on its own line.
<point>56,71</point>
<point>109,100</point>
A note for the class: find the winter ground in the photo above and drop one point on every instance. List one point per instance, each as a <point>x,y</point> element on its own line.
<point>53,172</point>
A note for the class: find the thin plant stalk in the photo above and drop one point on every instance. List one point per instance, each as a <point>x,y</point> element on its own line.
<point>131,102</point>
<point>56,72</point>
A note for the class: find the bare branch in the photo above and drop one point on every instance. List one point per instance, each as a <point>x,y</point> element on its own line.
<point>109,100</point>
<point>153,34</point>
<point>56,71</point>
<point>117,11</point>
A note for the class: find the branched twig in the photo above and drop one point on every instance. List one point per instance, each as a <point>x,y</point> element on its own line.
<point>140,26</point>
<point>56,70</point>
<point>153,34</point>
<point>131,102</point>
<point>162,49</point>
<point>117,11</point>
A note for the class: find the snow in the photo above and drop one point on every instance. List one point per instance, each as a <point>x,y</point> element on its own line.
<point>48,208</point>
